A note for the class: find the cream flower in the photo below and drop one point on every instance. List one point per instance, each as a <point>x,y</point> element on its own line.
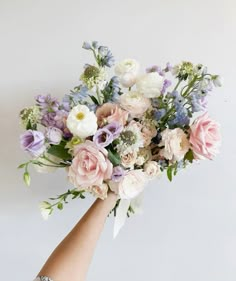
<point>99,191</point>
<point>135,103</point>
<point>128,160</point>
<point>150,85</point>
<point>175,143</point>
<point>45,209</point>
<point>131,185</point>
<point>81,121</point>
<point>152,169</point>
<point>127,72</point>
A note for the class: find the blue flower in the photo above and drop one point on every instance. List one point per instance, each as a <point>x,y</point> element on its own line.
<point>86,46</point>
<point>159,113</point>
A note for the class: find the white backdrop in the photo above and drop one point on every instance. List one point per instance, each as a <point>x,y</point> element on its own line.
<point>188,229</point>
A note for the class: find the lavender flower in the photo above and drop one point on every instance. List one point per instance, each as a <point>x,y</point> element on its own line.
<point>53,135</point>
<point>33,142</point>
<point>117,174</point>
<point>159,113</point>
<point>166,84</point>
<point>115,128</point>
<point>155,68</point>
<point>86,46</point>
<point>103,137</point>
<point>47,103</point>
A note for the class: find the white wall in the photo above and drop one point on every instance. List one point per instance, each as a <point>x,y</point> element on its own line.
<point>188,229</point>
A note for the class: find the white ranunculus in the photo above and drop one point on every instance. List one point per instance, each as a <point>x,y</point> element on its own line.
<point>127,71</point>
<point>150,84</point>
<point>135,103</point>
<point>81,121</point>
<point>175,143</point>
<point>152,169</point>
<point>131,184</point>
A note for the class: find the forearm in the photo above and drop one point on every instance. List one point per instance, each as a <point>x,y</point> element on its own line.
<point>71,259</point>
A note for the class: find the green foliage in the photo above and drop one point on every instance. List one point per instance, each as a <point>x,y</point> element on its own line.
<point>189,156</point>
<point>60,151</point>
<point>26,177</point>
<point>114,157</point>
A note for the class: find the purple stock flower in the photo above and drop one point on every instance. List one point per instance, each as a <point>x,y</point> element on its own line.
<point>166,84</point>
<point>117,174</point>
<point>103,137</point>
<point>47,103</point>
<point>33,142</point>
<point>115,128</point>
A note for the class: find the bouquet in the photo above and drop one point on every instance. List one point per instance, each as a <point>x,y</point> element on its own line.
<point>115,133</point>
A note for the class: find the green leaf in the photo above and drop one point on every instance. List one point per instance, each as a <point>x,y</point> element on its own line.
<point>60,151</point>
<point>169,173</point>
<point>21,166</point>
<point>189,156</point>
<point>114,157</point>
<point>94,99</point>
<point>60,206</point>
<point>26,178</point>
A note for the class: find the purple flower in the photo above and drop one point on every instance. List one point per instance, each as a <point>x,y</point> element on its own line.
<point>166,84</point>
<point>117,174</point>
<point>47,103</point>
<point>115,128</point>
<point>53,135</point>
<point>33,142</point>
<point>103,137</point>
<point>155,68</point>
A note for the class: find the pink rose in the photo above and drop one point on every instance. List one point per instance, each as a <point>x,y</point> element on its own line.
<point>110,112</point>
<point>99,191</point>
<point>90,166</point>
<point>130,185</point>
<point>205,137</point>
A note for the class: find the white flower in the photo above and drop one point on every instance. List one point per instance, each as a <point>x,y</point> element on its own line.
<point>217,81</point>
<point>131,185</point>
<point>45,209</point>
<point>135,103</point>
<point>130,139</point>
<point>175,143</point>
<point>127,72</point>
<point>128,160</point>
<point>81,121</point>
<point>48,164</point>
<point>150,85</point>
<point>152,169</point>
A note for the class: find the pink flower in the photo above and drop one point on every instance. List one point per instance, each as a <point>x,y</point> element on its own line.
<point>110,112</point>
<point>130,185</point>
<point>99,191</point>
<point>90,166</point>
<point>205,137</point>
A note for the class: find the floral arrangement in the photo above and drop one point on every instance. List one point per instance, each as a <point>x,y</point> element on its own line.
<point>116,133</point>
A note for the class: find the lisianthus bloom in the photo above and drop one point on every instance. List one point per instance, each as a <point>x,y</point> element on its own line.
<point>117,174</point>
<point>103,137</point>
<point>127,72</point>
<point>130,185</point>
<point>150,85</point>
<point>81,121</point>
<point>110,112</point>
<point>33,142</point>
<point>205,137</point>
<point>175,143</point>
<point>90,166</point>
<point>135,103</point>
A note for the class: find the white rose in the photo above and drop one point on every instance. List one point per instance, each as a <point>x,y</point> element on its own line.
<point>135,103</point>
<point>152,169</point>
<point>150,85</point>
<point>128,160</point>
<point>175,143</point>
<point>131,184</point>
<point>81,121</point>
<point>127,72</point>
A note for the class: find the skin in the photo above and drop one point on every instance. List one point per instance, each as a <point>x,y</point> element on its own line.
<point>72,257</point>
